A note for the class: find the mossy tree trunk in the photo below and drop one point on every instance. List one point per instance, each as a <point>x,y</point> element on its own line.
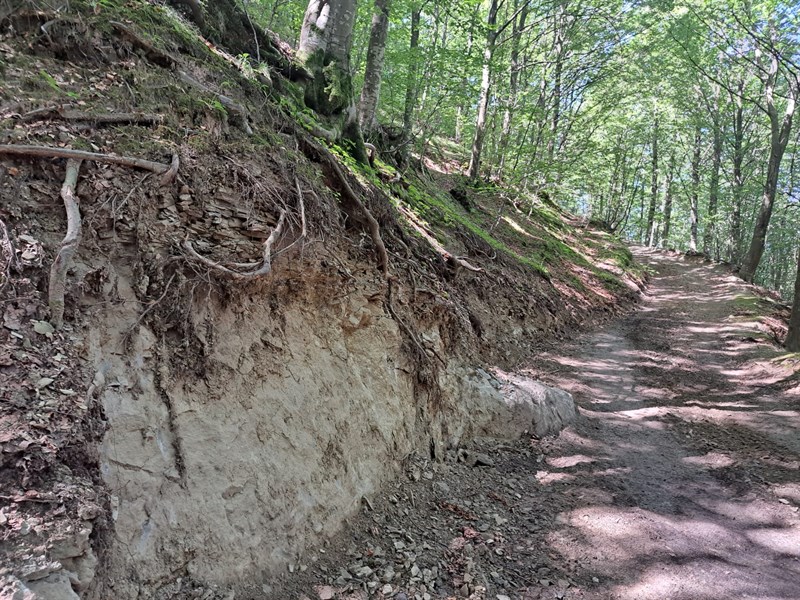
<point>324,52</point>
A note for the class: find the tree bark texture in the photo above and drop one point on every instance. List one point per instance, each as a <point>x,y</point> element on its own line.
<point>779,138</point>
<point>668,202</point>
<point>324,51</point>
<point>513,81</point>
<point>694,217</point>
<point>370,92</point>
<point>483,101</point>
<point>709,238</point>
<point>738,178</point>
<point>650,230</point>
<point>793,335</point>
<point>411,79</point>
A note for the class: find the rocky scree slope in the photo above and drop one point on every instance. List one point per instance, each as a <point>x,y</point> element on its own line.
<point>235,371</point>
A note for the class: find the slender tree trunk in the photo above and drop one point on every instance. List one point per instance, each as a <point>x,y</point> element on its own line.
<point>779,138</point>
<point>668,202</point>
<point>738,178</point>
<point>793,336</point>
<point>650,232</point>
<point>324,51</point>
<point>373,71</point>
<point>513,77</point>
<point>694,216</point>
<point>483,101</point>
<point>411,80</point>
<point>709,245</point>
<point>558,49</point>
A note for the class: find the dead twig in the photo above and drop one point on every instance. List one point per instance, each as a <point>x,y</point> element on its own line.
<point>49,152</point>
<point>58,271</point>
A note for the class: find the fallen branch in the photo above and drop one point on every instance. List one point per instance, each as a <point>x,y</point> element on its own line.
<point>230,105</point>
<point>59,112</point>
<point>151,53</point>
<point>266,263</point>
<point>48,152</point>
<point>58,271</point>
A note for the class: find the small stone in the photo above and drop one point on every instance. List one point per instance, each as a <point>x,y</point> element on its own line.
<point>483,527</point>
<point>386,590</point>
<point>502,597</point>
<point>364,572</point>
<point>415,571</point>
<point>325,592</point>
<point>595,579</point>
<point>442,487</point>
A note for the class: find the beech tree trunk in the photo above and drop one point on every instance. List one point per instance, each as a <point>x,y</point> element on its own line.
<point>411,80</point>
<point>668,202</point>
<point>370,92</point>
<point>513,79</point>
<point>779,138</point>
<point>709,246</point>
<point>650,231</point>
<point>324,51</point>
<point>738,178</point>
<point>694,217</point>
<point>793,335</point>
<point>486,84</point>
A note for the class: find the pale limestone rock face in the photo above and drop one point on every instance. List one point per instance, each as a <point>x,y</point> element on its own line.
<point>296,416</point>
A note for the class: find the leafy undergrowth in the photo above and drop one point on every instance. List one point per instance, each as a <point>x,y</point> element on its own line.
<point>538,273</point>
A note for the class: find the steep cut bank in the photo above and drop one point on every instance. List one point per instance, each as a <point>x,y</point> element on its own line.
<point>235,374</point>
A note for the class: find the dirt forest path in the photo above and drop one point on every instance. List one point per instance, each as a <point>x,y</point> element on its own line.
<point>680,480</point>
<point>684,465</point>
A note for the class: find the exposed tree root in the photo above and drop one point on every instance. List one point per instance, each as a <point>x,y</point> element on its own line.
<point>266,264</point>
<point>263,268</point>
<point>454,262</point>
<point>58,271</point>
<point>170,174</point>
<point>409,332</point>
<point>127,161</point>
<point>317,152</point>
<point>236,109</point>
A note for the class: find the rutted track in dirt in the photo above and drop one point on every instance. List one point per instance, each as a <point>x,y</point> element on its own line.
<point>680,481</point>
<point>684,453</point>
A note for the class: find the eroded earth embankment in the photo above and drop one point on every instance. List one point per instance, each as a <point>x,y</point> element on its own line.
<point>192,425</point>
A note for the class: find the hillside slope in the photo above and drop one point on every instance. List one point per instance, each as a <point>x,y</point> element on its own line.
<point>256,331</point>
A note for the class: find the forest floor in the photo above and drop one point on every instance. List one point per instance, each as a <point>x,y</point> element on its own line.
<point>680,480</point>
